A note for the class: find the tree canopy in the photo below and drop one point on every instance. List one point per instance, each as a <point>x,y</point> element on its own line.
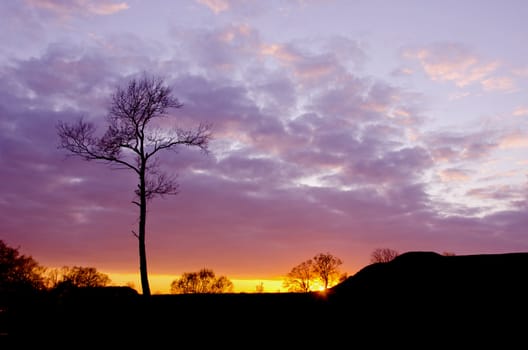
<point>19,272</point>
<point>322,268</point>
<point>201,282</point>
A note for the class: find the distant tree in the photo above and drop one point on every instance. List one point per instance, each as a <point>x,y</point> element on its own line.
<point>383,255</point>
<point>201,282</point>
<point>322,268</point>
<point>326,268</point>
<point>133,141</point>
<point>300,278</point>
<point>78,276</point>
<point>260,287</point>
<point>19,273</point>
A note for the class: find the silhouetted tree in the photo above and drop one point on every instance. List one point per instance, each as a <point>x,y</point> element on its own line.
<point>326,268</point>
<point>300,277</point>
<point>201,282</point>
<point>19,273</point>
<point>383,255</point>
<point>259,288</point>
<point>322,267</point>
<point>132,141</point>
<point>78,276</point>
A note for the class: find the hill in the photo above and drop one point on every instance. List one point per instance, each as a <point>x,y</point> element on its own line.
<point>466,297</point>
<point>415,274</point>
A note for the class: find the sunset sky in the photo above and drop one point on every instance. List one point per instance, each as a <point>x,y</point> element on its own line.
<point>339,126</point>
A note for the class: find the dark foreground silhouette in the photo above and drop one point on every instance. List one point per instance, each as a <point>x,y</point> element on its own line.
<point>420,298</point>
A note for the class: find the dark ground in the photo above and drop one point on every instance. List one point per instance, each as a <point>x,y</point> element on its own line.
<point>420,299</point>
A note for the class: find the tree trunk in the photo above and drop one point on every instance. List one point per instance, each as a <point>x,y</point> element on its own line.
<point>141,237</point>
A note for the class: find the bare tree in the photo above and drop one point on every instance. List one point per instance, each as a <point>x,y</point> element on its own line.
<point>300,277</point>
<point>133,142</point>
<point>78,276</point>
<point>323,268</point>
<point>326,268</point>
<point>383,255</point>
<point>201,282</point>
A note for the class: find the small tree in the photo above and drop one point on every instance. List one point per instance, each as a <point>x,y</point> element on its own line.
<point>323,268</point>
<point>132,141</point>
<point>326,268</point>
<point>79,276</point>
<point>201,282</point>
<point>383,255</point>
<point>300,277</point>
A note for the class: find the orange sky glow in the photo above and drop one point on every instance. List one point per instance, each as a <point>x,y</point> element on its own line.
<point>160,284</point>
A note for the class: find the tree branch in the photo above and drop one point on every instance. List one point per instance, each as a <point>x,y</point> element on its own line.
<point>79,140</point>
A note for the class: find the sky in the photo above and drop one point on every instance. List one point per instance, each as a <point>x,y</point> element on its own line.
<point>339,126</point>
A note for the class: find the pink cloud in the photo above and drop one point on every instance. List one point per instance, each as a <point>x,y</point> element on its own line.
<point>453,62</point>
<point>514,140</point>
<point>71,8</point>
<point>327,62</point>
<point>283,53</point>
<point>450,175</point>
<point>520,111</point>
<point>216,6</point>
<point>498,84</point>
<point>242,8</point>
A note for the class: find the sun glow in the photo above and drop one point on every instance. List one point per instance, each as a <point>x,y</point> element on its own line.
<point>160,284</point>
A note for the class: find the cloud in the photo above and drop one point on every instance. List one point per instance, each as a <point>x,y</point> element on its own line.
<point>449,175</point>
<point>459,95</point>
<point>522,72</point>
<point>461,146</point>
<point>238,8</point>
<point>403,71</point>
<point>218,51</point>
<point>498,84</point>
<point>455,63</point>
<point>317,61</point>
<point>216,6</point>
<point>500,192</point>
<point>307,154</point>
<point>520,111</point>
<point>514,140</point>
<point>66,9</point>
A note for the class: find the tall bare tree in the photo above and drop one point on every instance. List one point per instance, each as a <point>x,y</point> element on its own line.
<point>133,141</point>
